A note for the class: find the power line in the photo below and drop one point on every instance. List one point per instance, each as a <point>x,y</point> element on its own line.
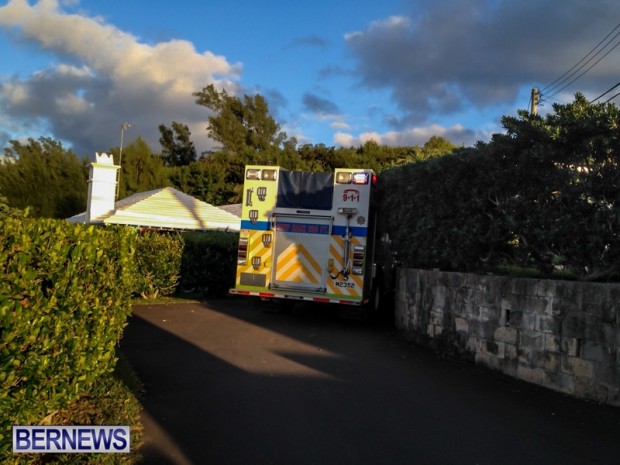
<point>580,61</point>
<point>588,69</point>
<point>568,75</point>
<point>606,92</point>
<point>612,97</point>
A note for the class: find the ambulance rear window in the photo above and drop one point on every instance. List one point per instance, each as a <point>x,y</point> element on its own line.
<point>303,189</point>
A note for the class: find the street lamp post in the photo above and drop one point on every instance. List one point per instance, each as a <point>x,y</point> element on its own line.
<point>124,127</point>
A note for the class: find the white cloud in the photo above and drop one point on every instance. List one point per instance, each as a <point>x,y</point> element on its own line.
<point>456,134</point>
<point>448,57</point>
<point>118,79</point>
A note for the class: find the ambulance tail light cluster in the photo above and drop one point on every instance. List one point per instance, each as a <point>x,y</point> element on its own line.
<point>359,252</point>
<point>242,251</point>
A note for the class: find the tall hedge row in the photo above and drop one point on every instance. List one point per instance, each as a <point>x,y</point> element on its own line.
<point>158,262</point>
<point>209,262</point>
<point>545,195</point>
<point>65,296</point>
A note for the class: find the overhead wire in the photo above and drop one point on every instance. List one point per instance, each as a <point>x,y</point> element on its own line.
<point>612,97</point>
<point>606,92</point>
<point>552,89</point>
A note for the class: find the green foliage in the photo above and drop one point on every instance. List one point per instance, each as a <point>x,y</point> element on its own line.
<point>206,180</point>
<point>64,300</point>
<point>140,171</point>
<point>240,125</point>
<point>545,195</point>
<point>158,262</point>
<point>42,176</point>
<point>209,262</point>
<point>112,400</point>
<point>6,211</point>
<point>178,149</point>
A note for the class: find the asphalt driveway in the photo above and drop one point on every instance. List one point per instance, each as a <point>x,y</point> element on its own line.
<point>226,383</point>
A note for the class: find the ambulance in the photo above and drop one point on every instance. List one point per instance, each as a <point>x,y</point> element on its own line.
<point>309,236</point>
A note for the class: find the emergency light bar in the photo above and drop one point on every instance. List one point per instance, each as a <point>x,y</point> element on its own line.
<point>258,174</point>
<point>360,178</point>
<point>344,177</point>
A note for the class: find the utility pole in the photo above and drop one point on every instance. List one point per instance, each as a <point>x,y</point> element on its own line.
<point>124,127</point>
<point>534,99</point>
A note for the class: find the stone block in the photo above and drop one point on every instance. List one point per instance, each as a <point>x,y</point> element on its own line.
<point>551,362</point>
<point>462,325</point>
<point>497,349</point>
<point>488,313</point>
<point>526,356</point>
<point>430,330</point>
<point>611,335</point>
<point>559,382</point>
<point>532,340</point>
<point>515,319</point>
<point>436,318</point>
<point>535,304</point>
<point>574,326</point>
<point>488,361</point>
<point>593,351</point>
<point>531,375</point>
<point>549,324</point>
<point>584,388</point>
<point>529,322</point>
<point>506,303</point>
<point>473,344</point>
<point>571,346</point>
<point>546,288</point>
<point>507,335</point>
<point>578,367</point>
<point>510,352</point>
<point>552,343</point>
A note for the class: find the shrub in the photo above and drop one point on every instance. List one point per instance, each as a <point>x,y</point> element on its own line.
<point>158,260</point>
<point>112,400</point>
<point>209,262</point>
<point>544,196</point>
<point>64,301</point>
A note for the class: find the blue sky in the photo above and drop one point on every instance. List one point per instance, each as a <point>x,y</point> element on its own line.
<point>337,72</point>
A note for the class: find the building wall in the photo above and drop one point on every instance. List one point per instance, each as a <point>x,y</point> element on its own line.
<point>559,334</point>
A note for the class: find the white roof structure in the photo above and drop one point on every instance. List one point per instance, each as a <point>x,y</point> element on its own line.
<point>165,208</point>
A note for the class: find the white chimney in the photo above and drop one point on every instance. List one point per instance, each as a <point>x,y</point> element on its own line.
<point>101,186</point>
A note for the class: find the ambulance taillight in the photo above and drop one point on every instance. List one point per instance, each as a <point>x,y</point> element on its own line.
<point>358,259</point>
<point>242,251</point>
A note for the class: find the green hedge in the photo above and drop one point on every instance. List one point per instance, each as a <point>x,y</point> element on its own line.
<point>544,196</point>
<point>209,262</point>
<point>64,299</point>
<point>158,260</point>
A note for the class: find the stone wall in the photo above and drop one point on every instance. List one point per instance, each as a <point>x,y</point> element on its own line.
<point>559,334</point>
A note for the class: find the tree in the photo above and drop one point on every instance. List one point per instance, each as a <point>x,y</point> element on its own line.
<point>178,149</point>
<point>140,170</point>
<point>42,175</point>
<point>436,146</point>
<point>241,125</point>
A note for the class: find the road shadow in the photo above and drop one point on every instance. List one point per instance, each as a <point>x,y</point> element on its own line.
<point>225,383</point>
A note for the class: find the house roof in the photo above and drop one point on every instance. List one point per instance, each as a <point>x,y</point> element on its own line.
<point>234,208</point>
<point>166,208</point>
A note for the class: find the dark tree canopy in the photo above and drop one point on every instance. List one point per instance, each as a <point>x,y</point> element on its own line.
<point>177,148</point>
<point>240,125</point>
<point>44,177</point>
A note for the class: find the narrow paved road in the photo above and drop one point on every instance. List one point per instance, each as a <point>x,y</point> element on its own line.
<point>228,384</point>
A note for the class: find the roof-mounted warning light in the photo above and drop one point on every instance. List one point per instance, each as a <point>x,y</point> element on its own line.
<point>261,174</point>
<point>360,178</point>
